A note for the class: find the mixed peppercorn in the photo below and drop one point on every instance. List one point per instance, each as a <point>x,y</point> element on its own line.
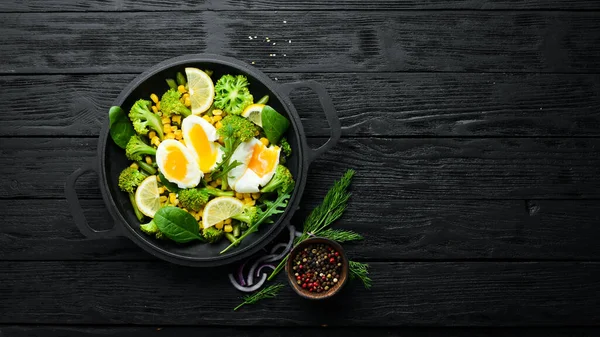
<point>317,268</point>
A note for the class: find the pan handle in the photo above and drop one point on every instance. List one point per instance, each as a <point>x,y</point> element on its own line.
<point>77,211</point>
<point>328,109</point>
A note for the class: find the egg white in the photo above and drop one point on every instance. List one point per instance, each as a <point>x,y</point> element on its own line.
<point>211,135</point>
<point>193,173</point>
<point>242,179</point>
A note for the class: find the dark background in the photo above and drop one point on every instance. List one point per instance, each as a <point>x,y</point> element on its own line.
<point>473,126</point>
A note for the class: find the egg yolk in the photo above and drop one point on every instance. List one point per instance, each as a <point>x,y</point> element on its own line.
<point>176,164</point>
<point>263,160</point>
<point>205,149</point>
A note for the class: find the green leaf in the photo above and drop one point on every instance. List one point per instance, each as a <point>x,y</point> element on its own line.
<point>121,129</point>
<point>177,224</point>
<point>169,185</point>
<point>274,124</point>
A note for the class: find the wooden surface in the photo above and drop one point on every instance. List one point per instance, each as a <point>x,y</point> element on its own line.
<point>474,128</point>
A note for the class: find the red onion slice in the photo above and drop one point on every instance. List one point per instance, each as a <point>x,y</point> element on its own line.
<point>272,267</point>
<point>277,247</point>
<point>287,247</point>
<point>263,259</point>
<point>248,289</point>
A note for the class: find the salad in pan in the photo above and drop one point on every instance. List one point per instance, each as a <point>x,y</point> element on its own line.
<point>208,162</point>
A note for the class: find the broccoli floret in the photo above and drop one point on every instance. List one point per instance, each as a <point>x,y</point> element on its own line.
<point>249,215</point>
<point>129,180</point>
<point>195,198</point>
<point>282,181</point>
<point>236,127</point>
<point>170,104</point>
<point>212,234</point>
<point>136,149</point>
<point>232,94</point>
<point>286,149</point>
<point>144,119</point>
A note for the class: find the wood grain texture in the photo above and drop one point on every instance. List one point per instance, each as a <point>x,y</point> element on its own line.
<point>321,41</point>
<point>396,230</point>
<point>245,5</point>
<point>99,331</point>
<point>421,168</point>
<point>403,294</point>
<point>395,104</point>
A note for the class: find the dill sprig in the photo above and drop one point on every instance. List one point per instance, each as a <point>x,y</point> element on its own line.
<point>267,292</point>
<point>361,271</point>
<point>340,235</point>
<point>333,206</point>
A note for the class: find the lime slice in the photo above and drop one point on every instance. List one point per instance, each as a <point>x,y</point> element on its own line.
<point>219,209</point>
<point>147,197</point>
<point>201,88</point>
<point>253,113</point>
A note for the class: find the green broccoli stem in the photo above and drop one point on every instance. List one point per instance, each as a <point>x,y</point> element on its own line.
<point>231,238</point>
<point>147,168</point>
<point>263,100</point>
<point>171,82</point>
<point>215,192</point>
<point>181,79</point>
<point>136,210</point>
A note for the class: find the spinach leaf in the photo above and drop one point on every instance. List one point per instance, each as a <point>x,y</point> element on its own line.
<point>169,185</point>
<point>121,129</point>
<point>177,224</point>
<point>274,124</point>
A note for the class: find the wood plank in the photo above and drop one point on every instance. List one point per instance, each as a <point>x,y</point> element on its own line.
<point>403,294</point>
<point>396,230</point>
<point>98,331</point>
<point>404,104</point>
<point>281,5</point>
<point>321,41</point>
<point>419,168</point>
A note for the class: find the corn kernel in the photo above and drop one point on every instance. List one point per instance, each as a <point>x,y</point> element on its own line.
<point>170,136</point>
<point>249,203</point>
<point>217,112</point>
<point>134,165</point>
<point>247,200</point>
<point>218,125</point>
<point>219,181</point>
<point>227,221</point>
<point>163,198</point>
<point>217,118</point>
<point>255,195</point>
<point>187,102</point>
<point>151,134</point>
<point>173,128</point>
<point>247,195</point>
<point>228,228</point>
<point>265,141</point>
<point>207,177</point>
<point>181,89</point>
<point>176,202</point>
<point>185,95</point>
<point>155,141</point>
<point>219,225</point>
<point>172,197</point>
<point>176,119</point>
<point>154,109</point>
<point>221,140</point>
<point>161,190</point>
<point>158,105</point>
<point>167,128</point>
<point>178,136</point>
<point>158,178</point>
<point>239,195</point>
<point>256,133</point>
<point>148,160</point>
<point>207,118</point>
<point>154,98</point>
<point>197,217</point>
<point>213,184</point>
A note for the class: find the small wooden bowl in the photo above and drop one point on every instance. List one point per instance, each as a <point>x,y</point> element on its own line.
<point>333,290</point>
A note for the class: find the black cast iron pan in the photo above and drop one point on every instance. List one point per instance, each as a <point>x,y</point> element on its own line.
<point>111,161</point>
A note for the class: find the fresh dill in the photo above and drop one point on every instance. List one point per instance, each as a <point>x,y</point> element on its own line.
<point>361,271</point>
<point>267,292</point>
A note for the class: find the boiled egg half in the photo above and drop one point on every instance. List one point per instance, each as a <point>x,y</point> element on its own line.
<point>178,164</point>
<point>259,163</point>
<point>200,137</point>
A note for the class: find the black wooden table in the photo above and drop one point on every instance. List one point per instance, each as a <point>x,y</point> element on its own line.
<point>474,128</point>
